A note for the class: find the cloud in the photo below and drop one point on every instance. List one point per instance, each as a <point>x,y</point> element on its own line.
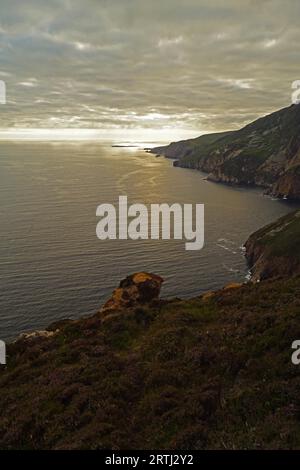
<point>129,63</point>
<point>169,42</point>
<point>31,83</point>
<point>243,84</point>
<point>270,43</point>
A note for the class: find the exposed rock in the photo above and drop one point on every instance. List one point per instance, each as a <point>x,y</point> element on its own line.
<point>265,153</point>
<point>138,289</point>
<point>36,334</point>
<point>288,185</point>
<point>207,296</point>
<point>232,285</point>
<point>273,251</point>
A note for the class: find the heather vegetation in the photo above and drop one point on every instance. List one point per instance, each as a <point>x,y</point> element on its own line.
<point>210,372</point>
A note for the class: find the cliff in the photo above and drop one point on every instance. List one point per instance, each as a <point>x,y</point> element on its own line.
<point>210,372</point>
<point>265,153</point>
<point>186,148</point>
<point>273,251</point>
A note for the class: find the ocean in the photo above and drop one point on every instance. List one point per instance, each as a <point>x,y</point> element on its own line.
<point>52,264</point>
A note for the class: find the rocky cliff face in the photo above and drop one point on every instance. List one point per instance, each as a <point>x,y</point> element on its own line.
<point>288,185</point>
<point>273,251</point>
<point>265,153</point>
<point>138,290</point>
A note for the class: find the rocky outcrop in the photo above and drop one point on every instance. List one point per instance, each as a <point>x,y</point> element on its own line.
<point>36,334</point>
<point>273,251</point>
<point>139,289</point>
<point>265,153</point>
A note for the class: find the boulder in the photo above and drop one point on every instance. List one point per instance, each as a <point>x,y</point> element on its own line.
<point>138,289</point>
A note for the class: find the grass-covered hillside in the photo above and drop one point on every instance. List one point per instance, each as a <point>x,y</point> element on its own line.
<point>188,150</point>
<point>210,372</point>
<point>274,251</point>
<point>264,153</point>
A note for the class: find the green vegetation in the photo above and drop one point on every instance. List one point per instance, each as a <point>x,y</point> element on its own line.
<point>210,372</point>
<point>282,238</point>
<point>259,154</point>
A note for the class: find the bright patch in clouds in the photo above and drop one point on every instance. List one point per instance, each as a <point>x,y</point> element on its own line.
<point>28,84</point>
<point>244,84</point>
<point>169,42</point>
<point>140,135</point>
<point>270,43</point>
<point>83,46</point>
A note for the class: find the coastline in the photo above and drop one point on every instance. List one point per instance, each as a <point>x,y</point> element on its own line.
<point>265,189</point>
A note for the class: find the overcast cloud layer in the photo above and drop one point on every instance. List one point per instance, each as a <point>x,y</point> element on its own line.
<point>186,64</point>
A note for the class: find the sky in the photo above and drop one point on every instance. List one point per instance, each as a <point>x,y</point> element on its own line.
<point>172,67</point>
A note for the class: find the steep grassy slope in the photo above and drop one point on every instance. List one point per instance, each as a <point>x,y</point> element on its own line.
<point>189,150</point>
<point>275,250</point>
<point>264,153</point>
<point>210,372</point>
